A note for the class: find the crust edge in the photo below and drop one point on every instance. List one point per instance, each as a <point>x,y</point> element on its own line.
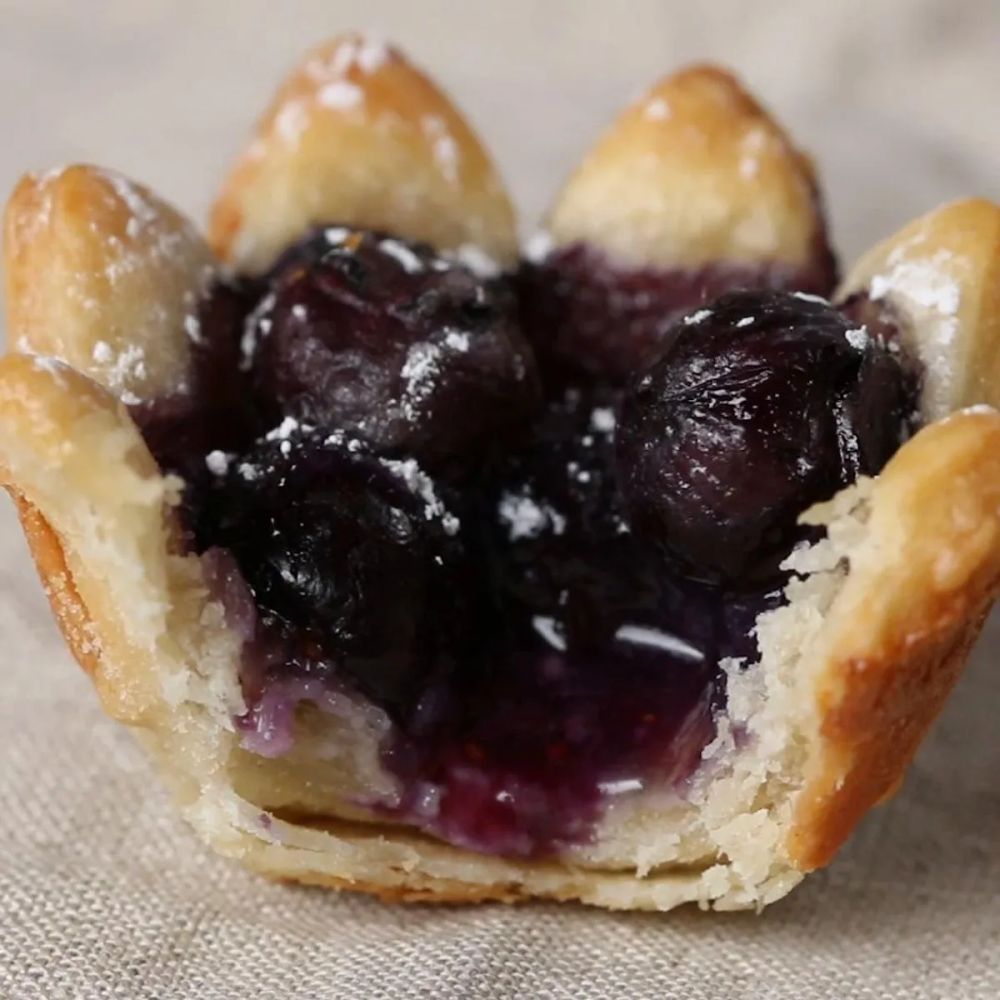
<point>899,632</point>
<point>57,581</point>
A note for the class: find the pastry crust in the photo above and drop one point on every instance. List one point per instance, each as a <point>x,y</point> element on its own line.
<point>899,632</point>
<point>50,561</point>
<point>853,669</point>
<point>79,469</point>
<point>694,173</point>
<point>356,135</point>
<point>103,274</point>
<point>941,274</point>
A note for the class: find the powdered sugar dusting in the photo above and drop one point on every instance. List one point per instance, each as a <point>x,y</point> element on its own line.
<point>477,260</point>
<point>291,121</point>
<point>419,371</point>
<point>522,515</point>
<point>341,95</point>
<point>924,282</point>
<point>422,368</point>
<point>217,462</point>
<point>102,353</point>
<point>192,328</point>
<point>47,364</point>
<point>980,408</point>
<point>926,287</point>
<point>858,338</point>
<point>257,325</point>
<point>443,145</point>
<point>286,429</point>
<point>150,238</point>
<point>371,54</point>
<point>45,177</point>
<point>403,255</point>
<point>420,484</point>
<point>526,518</point>
<point>751,147</point>
<point>457,340</point>
<point>141,209</point>
<point>538,246</point>
<point>697,317</point>
<point>365,54</point>
<point>602,420</point>
<point>122,368</point>
<point>656,109</point>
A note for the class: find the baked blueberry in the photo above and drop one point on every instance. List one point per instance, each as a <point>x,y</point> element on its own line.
<point>354,560</point>
<point>385,339</point>
<point>761,404</point>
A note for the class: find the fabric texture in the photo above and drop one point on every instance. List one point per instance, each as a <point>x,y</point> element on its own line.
<point>103,890</point>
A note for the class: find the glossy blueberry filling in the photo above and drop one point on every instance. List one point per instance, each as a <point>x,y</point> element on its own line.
<point>575,295</point>
<point>388,505</point>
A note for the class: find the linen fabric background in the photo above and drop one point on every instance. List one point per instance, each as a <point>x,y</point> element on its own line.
<point>103,890</point>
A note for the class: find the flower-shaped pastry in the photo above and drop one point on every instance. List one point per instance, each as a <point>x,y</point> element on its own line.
<point>632,571</point>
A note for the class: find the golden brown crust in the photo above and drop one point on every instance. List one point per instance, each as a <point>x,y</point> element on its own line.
<point>87,485</point>
<point>70,612</point>
<point>899,631</point>
<point>356,135</point>
<point>693,173</point>
<point>103,275</point>
<point>941,273</point>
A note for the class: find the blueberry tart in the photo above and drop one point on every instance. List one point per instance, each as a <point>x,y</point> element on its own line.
<point>629,568</point>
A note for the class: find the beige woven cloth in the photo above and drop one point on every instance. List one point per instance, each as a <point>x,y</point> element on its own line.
<point>104,893</point>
